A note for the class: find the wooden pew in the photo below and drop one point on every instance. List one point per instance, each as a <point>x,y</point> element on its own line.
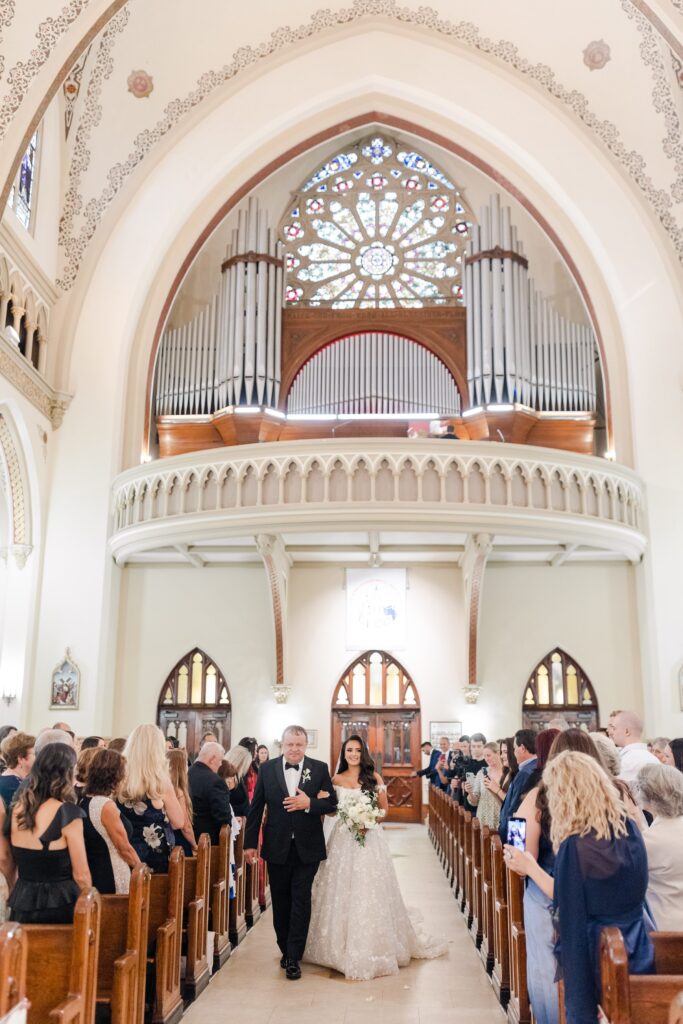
<point>219,880</point>
<point>13,962</point>
<point>467,867</point>
<point>252,908</point>
<point>237,919</point>
<point>477,895</point>
<point>264,887</point>
<point>196,898</point>
<point>486,946</point>
<point>500,976</point>
<point>676,1011</point>
<point>518,1007</point>
<point>122,961</point>
<point>450,833</point>
<point>639,998</point>
<point>462,894</point>
<point>457,874</point>
<point>164,938</point>
<point>61,979</point>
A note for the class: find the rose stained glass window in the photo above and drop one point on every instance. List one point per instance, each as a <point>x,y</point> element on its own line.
<point>378,226</point>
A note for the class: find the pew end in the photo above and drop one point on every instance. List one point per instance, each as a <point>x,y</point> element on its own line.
<point>164,938</point>
<point>676,1010</point>
<point>196,897</point>
<point>638,998</point>
<point>220,897</point>
<point>13,964</point>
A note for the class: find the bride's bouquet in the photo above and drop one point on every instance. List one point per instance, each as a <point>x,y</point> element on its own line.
<point>359,812</point>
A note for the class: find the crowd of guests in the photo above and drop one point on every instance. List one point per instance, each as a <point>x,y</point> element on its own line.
<point>75,814</point>
<point>603,826</point>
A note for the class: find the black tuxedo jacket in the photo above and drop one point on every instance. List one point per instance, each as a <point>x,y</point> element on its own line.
<point>210,801</point>
<point>281,825</point>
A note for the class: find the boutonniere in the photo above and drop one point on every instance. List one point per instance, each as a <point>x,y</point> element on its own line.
<point>306,775</point>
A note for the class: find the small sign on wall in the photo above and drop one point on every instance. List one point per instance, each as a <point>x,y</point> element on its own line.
<point>438,729</point>
<point>375,609</point>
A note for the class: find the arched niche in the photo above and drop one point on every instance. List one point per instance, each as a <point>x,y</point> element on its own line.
<point>377,699</point>
<point>194,700</point>
<point>559,688</point>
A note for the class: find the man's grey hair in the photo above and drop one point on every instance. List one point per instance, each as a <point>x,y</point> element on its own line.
<point>561,724</point>
<point>48,736</point>
<point>298,730</point>
<point>209,750</point>
<point>659,787</point>
<point>609,752</point>
<point>660,742</point>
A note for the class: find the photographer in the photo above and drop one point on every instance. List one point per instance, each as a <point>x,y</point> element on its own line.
<point>471,766</point>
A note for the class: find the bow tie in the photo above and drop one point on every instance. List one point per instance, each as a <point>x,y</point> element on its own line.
<point>296,767</point>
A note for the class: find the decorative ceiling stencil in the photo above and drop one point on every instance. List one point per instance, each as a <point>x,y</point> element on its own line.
<point>71,89</point>
<point>6,17</point>
<point>596,55</point>
<point>140,84</point>
<point>82,213</point>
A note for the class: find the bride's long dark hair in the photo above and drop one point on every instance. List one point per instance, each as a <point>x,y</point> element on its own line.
<point>366,776</point>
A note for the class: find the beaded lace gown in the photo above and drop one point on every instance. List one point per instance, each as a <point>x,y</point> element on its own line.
<point>360,925</point>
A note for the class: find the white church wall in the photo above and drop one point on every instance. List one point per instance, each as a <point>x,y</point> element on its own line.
<point>589,611</point>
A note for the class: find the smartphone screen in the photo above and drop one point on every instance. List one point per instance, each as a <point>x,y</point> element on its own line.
<point>517,833</point>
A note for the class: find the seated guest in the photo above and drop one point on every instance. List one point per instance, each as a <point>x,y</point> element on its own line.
<point>82,764</point>
<point>18,755</point>
<point>177,766</point>
<point>660,791</point>
<point>677,753</point>
<point>63,727</point>
<point>627,733</point>
<point>118,744</point>
<point>600,878</point>
<point>47,736</point>
<point>147,798</point>
<point>240,759</point>
<point>486,792</point>
<point>209,794</point>
<point>92,742</point>
<point>661,748</point>
<point>110,855</point>
<point>611,762</point>
<point>5,731</point>
<point>46,836</point>
<point>172,743</point>
<point>524,748</point>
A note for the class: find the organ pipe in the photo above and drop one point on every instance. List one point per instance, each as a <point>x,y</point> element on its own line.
<point>520,349</point>
<point>230,353</point>
<point>374,373</point>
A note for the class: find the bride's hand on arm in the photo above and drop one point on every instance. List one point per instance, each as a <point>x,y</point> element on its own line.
<point>382,798</point>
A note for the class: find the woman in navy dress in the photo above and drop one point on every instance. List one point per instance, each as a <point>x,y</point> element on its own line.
<point>600,878</point>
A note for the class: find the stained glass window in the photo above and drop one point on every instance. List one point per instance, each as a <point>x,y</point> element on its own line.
<point>23,190</point>
<point>378,226</point>
<point>557,682</point>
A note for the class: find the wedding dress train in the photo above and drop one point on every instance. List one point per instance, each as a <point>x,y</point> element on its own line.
<point>359,923</point>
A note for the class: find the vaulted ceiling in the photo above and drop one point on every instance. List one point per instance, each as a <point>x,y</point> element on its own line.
<point>129,74</point>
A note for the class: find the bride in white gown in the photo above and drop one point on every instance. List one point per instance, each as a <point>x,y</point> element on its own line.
<point>359,923</point>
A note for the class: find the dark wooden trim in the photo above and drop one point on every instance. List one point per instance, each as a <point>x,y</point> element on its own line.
<point>497,253</point>
<point>251,257</point>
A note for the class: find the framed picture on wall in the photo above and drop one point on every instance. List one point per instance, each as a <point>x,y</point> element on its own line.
<point>312,738</point>
<point>438,729</point>
<point>65,685</point>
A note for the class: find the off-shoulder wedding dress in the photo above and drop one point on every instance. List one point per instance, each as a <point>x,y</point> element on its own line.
<point>359,923</point>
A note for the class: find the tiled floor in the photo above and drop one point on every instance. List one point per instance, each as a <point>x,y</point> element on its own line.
<point>449,990</point>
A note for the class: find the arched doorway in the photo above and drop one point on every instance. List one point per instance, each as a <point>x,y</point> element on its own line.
<point>194,700</point>
<point>559,688</point>
<point>377,699</point>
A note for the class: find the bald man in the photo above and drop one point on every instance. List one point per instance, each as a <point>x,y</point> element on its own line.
<point>627,733</point>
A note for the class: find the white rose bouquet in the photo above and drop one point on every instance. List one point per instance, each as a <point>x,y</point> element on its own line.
<point>359,812</point>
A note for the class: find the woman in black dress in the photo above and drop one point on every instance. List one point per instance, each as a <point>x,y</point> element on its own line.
<point>110,855</point>
<point>46,836</point>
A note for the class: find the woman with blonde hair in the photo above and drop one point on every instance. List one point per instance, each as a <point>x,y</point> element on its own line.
<point>177,766</point>
<point>241,760</point>
<point>147,798</point>
<point>600,876</point>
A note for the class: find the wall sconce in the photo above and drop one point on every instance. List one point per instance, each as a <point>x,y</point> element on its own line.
<point>472,693</point>
<point>281,692</point>
<point>8,697</point>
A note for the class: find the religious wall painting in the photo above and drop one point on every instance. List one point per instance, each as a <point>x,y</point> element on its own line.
<point>65,685</point>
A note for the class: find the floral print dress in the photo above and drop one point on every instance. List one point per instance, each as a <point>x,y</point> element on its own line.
<point>153,837</point>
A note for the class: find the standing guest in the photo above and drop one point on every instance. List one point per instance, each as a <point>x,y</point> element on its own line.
<point>610,723</point>
<point>110,855</point>
<point>660,792</point>
<point>445,764</point>
<point>177,765</point>
<point>510,766</point>
<point>18,754</point>
<point>147,798</point>
<point>172,743</point>
<point>209,793</point>
<point>5,731</point>
<point>430,773</point>
<point>677,753</point>
<point>559,724</point>
<point>249,743</point>
<point>92,742</point>
<point>486,793</point>
<point>600,878</point>
<point>627,733</point>
<point>262,754</point>
<point>7,869</point>
<point>524,748</point>
<point>208,737</point>
<point>46,835</point>
<point>471,766</point>
<point>48,736</point>
<point>611,762</point>
<point>240,759</point>
<point>118,744</point>
<point>662,750</point>
<point>82,763</point>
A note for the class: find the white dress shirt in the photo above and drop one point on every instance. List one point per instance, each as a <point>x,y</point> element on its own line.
<point>292,777</point>
<point>634,756</point>
<point>664,842</point>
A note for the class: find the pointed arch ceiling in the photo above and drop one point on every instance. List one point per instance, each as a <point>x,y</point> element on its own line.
<point>598,68</point>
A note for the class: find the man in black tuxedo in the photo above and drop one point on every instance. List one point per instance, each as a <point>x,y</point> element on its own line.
<point>210,795</point>
<point>293,841</point>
